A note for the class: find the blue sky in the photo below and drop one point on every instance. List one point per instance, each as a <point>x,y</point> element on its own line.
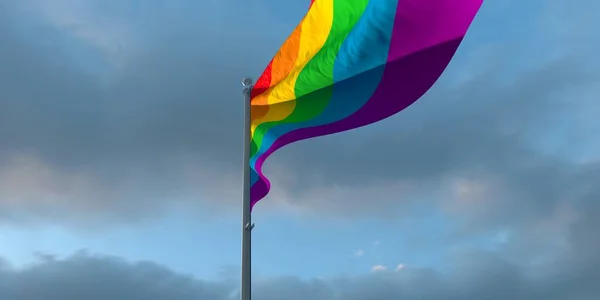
<point>282,245</point>
<point>120,125</point>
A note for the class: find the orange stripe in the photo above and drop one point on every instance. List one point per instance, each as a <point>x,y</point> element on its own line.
<point>285,60</point>
<point>283,63</point>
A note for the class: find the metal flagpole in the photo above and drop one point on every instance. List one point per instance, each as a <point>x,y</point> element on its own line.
<point>246,219</point>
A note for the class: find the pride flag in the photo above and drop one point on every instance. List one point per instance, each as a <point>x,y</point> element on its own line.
<point>350,63</point>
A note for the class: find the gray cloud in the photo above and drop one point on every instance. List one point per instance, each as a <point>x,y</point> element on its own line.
<point>163,128</point>
<point>165,122</point>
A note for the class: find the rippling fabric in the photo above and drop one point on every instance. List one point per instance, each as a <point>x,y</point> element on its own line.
<point>350,63</point>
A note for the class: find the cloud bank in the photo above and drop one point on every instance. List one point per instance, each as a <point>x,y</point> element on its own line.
<point>159,127</point>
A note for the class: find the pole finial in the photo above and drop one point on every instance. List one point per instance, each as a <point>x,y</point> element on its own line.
<point>247,81</point>
<point>247,85</point>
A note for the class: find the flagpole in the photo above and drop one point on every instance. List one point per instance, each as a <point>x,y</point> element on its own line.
<point>245,291</point>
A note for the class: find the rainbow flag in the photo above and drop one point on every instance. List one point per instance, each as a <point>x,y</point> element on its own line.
<point>350,63</point>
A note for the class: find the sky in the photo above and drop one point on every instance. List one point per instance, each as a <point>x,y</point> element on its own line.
<point>120,161</point>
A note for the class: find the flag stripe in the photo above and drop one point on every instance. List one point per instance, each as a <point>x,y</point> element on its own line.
<point>317,73</point>
<point>315,30</point>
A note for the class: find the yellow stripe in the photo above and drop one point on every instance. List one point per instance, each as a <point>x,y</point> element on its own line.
<point>315,31</point>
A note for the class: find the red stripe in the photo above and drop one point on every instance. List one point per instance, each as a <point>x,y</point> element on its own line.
<point>263,82</point>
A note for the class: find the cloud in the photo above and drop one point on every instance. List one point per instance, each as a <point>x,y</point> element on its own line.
<point>378,268</point>
<point>125,142</point>
<point>359,253</point>
<point>92,140</point>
